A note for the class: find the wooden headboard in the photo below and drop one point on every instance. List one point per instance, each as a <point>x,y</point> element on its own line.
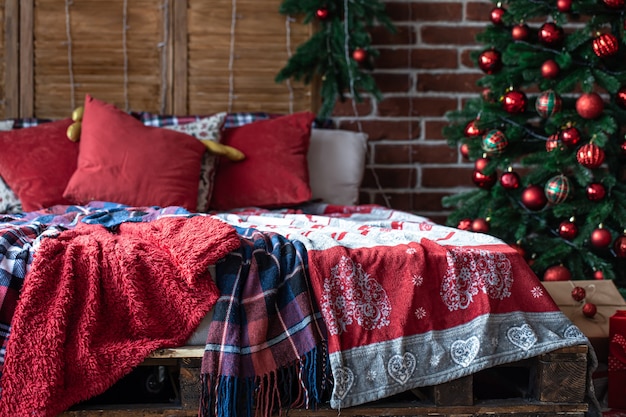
<point>162,56</point>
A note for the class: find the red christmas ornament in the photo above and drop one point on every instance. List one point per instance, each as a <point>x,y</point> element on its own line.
<point>564,5</point>
<point>614,4</point>
<point>480,226</point>
<point>595,191</point>
<point>623,148</point>
<point>605,45</point>
<point>550,34</point>
<point>598,275</point>
<point>548,104</point>
<point>494,142</point>
<point>510,180</point>
<point>552,142</point>
<point>589,105</point>
<point>464,224</point>
<point>496,15</point>
<point>472,130</point>
<point>480,164</point>
<point>590,310</point>
<point>601,238</point>
<point>557,189</point>
<point>482,180</point>
<point>568,229</point>
<point>619,246</point>
<point>359,55</point>
<point>590,156</point>
<point>520,32</point>
<point>534,198</point>
<point>514,102</point>
<point>490,61</point>
<point>620,97</point>
<point>550,69</point>
<point>557,273</point>
<point>578,293</point>
<point>464,150</point>
<point>321,13</point>
<point>570,136</point>
<point>487,95</point>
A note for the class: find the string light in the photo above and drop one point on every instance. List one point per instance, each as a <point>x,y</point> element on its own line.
<point>125,52</point>
<point>288,21</point>
<point>164,53</point>
<point>231,76</point>
<point>70,65</point>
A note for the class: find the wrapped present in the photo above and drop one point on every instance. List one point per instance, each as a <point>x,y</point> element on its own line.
<point>617,360</point>
<point>603,294</point>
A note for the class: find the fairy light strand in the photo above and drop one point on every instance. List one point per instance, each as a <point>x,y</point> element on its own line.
<point>70,64</point>
<point>288,21</point>
<point>231,59</point>
<point>125,52</point>
<point>164,53</point>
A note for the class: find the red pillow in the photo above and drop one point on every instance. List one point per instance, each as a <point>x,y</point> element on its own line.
<point>274,172</point>
<point>123,161</point>
<point>37,162</point>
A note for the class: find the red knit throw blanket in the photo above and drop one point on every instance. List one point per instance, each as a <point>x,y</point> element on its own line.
<point>95,304</point>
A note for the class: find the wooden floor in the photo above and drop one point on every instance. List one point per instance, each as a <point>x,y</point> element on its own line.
<point>552,384</point>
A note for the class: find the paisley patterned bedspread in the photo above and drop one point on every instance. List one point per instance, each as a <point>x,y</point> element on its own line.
<point>409,303</point>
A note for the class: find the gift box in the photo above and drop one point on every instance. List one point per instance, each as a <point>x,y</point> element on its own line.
<point>607,300</point>
<point>617,360</point>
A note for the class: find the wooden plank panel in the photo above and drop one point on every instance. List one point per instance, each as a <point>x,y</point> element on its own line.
<point>9,73</point>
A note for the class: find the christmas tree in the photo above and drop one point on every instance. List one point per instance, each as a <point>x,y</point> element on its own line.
<point>340,50</point>
<point>546,135</point>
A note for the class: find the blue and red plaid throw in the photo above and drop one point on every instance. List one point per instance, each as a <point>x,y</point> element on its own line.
<point>266,347</point>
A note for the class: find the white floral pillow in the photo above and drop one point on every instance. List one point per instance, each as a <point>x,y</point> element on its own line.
<point>208,128</point>
<point>9,203</point>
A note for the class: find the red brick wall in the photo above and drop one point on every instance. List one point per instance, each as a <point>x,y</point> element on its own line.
<point>423,71</point>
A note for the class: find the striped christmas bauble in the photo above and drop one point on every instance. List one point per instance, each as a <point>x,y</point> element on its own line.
<point>548,104</point>
<point>494,142</point>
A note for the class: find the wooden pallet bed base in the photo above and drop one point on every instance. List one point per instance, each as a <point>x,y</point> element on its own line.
<point>555,386</point>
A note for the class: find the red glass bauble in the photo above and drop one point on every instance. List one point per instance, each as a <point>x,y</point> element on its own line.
<point>534,198</point>
<point>481,163</point>
<point>589,105</point>
<point>490,61</point>
<point>623,148</point>
<point>520,32</point>
<point>552,142</point>
<point>548,103</point>
<point>464,150</point>
<point>590,156</point>
<point>480,226</point>
<point>590,310</point>
<point>472,130</point>
<point>482,180</point>
<point>514,102</point>
<point>321,13</point>
<point>578,293</point>
<point>564,5</point>
<point>619,246</point>
<point>487,95</point>
<point>600,238</point>
<point>568,230</point>
<point>620,97</point>
<point>464,224</point>
<point>557,273</point>
<point>510,180</point>
<point>605,45</point>
<point>598,275</point>
<point>614,4</point>
<point>359,55</point>
<point>496,15</point>
<point>595,191</point>
<point>550,34</point>
<point>550,69</point>
<point>570,136</point>
<point>557,189</point>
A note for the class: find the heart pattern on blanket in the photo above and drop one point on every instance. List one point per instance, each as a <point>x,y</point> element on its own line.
<point>344,378</point>
<point>523,337</point>
<point>573,332</point>
<point>401,367</point>
<point>464,351</point>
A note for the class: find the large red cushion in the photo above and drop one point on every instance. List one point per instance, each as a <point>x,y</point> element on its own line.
<point>274,172</point>
<point>37,162</point>
<point>123,161</point>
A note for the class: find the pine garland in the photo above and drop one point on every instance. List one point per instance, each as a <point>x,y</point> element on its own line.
<point>342,62</point>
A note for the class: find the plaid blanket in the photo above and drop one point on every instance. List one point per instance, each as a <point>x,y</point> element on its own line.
<point>265,347</point>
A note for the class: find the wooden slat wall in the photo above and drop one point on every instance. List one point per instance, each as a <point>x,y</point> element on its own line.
<point>260,50</point>
<point>177,56</point>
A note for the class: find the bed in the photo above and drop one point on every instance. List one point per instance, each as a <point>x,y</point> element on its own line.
<point>113,248</point>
